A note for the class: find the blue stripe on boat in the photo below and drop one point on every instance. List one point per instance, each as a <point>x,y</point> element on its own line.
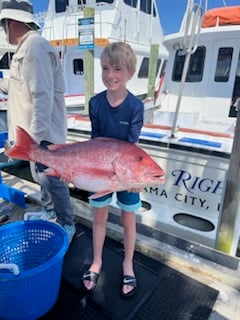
<point>152,135</point>
<point>202,142</point>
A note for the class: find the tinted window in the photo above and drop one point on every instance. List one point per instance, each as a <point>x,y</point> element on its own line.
<point>195,69</point>
<point>223,64</point>
<point>158,66</point>
<point>131,3</point>
<point>6,60</point>
<point>143,71</point>
<point>61,5</point>
<point>78,66</point>
<point>146,6</point>
<point>107,1</point>
<point>163,68</point>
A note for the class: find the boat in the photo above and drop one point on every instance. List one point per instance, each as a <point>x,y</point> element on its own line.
<point>191,129</point>
<point>178,223</point>
<point>79,30</point>
<point>198,102</point>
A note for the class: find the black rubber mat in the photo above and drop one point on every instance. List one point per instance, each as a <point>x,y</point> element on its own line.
<point>163,293</point>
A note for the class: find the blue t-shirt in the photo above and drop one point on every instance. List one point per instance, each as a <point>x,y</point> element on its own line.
<point>123,122</point>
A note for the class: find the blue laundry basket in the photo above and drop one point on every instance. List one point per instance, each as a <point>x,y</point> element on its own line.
<point>31,260</point>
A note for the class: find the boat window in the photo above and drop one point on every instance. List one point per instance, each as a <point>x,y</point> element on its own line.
<point>195,69</point>
<point>223,64</point>
<point>6,60</point>
<point>163,68</point>
<point>143,71</point>
<point>78,66</point>
<point>146,6</point>
<point>61,5</point>
<point>106,1</point>
<point>131,3</point>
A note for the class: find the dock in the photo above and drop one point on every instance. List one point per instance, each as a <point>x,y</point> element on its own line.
<point>177,279</point>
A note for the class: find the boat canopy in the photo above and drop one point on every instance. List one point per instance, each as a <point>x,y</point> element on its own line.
<point>221,17</point>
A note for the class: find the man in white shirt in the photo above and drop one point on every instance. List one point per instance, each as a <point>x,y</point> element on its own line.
<point>36,98</point>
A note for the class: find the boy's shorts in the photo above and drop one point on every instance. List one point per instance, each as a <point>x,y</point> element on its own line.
<point>127,201</point>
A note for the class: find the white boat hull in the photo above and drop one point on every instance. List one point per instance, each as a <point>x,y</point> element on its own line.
<point>188,205</point>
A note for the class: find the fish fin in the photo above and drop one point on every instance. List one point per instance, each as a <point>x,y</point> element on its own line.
<point>99,194</point>
<point>53,147</point>
<point>122,172</point>
<point>23,145</point>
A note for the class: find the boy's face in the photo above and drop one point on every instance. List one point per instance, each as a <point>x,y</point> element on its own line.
<point>115,76</point>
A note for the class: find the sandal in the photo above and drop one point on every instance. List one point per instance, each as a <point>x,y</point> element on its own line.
<point>130,281</point>
<point>90,276</point>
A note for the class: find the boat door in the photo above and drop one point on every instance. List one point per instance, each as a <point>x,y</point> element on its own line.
<point>74,73</point>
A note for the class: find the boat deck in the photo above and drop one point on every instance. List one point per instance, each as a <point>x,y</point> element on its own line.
<point>177,279</point>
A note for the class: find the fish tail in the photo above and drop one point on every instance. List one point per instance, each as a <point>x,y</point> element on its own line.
<point>22,147</point>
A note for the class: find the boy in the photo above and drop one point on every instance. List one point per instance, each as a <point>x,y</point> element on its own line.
<point>116,113</point>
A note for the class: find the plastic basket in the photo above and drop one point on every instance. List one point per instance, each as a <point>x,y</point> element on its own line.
<point>31,260</point>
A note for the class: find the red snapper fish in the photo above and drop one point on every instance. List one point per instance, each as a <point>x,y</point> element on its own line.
<point>99,165</point>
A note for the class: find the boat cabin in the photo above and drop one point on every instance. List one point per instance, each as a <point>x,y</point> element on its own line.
<point>211,88</point>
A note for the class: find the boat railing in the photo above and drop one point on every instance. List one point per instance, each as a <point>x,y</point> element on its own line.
<point>190,42</point>
<point>110,23</point>
<point>64,25</point>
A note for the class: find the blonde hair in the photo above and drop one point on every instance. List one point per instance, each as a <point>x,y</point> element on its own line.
<point>120,53</point>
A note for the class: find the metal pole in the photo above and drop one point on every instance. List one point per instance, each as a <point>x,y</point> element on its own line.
<point>192,30</point>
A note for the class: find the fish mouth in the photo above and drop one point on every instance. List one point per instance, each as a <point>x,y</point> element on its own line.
<point>158,177</point>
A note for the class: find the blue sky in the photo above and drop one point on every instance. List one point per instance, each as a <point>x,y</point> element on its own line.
<point>170,11</point>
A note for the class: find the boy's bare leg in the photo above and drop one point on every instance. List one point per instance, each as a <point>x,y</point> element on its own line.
<point>99,233</point>
<point>129,240</point>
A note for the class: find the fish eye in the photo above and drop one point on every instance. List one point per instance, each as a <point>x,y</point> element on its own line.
<point>140,158</point>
